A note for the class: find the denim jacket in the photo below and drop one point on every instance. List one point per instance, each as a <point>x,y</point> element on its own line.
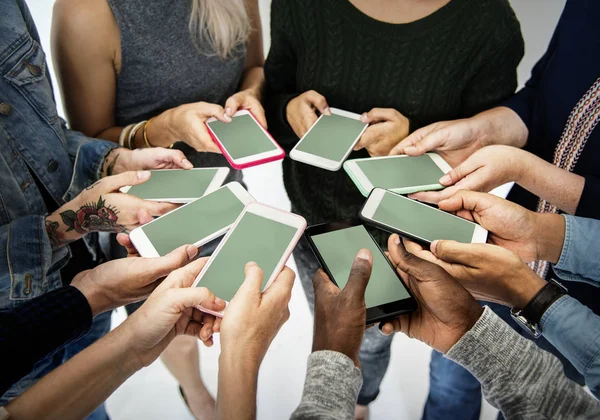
<point>33,138</point>
<point>568,325</point>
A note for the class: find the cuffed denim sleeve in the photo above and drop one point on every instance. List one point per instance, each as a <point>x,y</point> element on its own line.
<point>574,330</point>
<point>89,156</point>
<point>25,245</point>
<point>579,259</point>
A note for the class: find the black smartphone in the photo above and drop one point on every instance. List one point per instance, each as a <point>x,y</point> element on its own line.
<point>336,244</point>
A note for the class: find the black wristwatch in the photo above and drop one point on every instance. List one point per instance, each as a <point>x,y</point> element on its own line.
<point>530,316</point>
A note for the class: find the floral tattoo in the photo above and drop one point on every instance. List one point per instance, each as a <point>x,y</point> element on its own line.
<point>56,238</point>
<point>93,217</point>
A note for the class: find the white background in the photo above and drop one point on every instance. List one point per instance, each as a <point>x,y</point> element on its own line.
<point>152,393</point>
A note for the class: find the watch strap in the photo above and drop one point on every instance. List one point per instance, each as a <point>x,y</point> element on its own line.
<point>535,309</point>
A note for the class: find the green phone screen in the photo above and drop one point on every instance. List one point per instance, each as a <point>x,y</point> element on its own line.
<point>339,248</point>
<point>400,172</point>
<point>178,183</point>
<point>421,220</point>
<point>242,137</point>
<point>194,221</point>
<point>255,238</point>
<point>332,137</point>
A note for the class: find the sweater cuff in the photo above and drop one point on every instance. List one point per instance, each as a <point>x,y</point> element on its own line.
<point>332,382</point>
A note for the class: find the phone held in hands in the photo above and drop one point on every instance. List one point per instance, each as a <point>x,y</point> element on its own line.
<point>417,221</point>
<point>178,185</point>
<point>336,244</point>
<point>329,142</point>
<point>243,141</point>
<point>198,222</point>
<point>262,234</point>
<point>400,174</point>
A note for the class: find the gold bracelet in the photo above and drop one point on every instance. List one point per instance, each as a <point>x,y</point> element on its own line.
<point>146,124</point>
<point>133,132</point>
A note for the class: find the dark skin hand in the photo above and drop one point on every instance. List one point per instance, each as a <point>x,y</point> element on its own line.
<point>340,315</point>
<point>446,309</point>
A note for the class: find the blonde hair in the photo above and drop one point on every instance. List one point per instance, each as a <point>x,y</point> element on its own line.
<point>221,25</point>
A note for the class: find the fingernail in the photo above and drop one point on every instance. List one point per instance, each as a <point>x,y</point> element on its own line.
<point>433,246</point>
<point>251,263</point>
<point>412,196</point>
<point>363,117</point>
<point>381,330</point>
<point>227,118</point>
<point>397,240</point>
<point>229,111</point>
<point>446,179</point>
<point>187,163</point>
<point>327,111</point>
<point>410,149</point>
<point>219,301</point>
<point>364,254</point>
<point>143,175</point>
<point>192,251</point>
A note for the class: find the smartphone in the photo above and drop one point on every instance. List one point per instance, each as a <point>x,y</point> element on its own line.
<point>178,185</point>
<point>330,140</point>
<point>262,234</point>
<point>243,141</point>
<point>398,214</point>
<point>336,244</point>
<point>400,174</point>
<point>198,222</point>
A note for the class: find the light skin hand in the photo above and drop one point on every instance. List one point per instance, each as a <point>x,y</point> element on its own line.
<point>388,127</point>
<point>301,112</point>
<point>187,123</point>
<point>491,273</point>
<point>127,280</point>
<point>340,315</point>
<point>123,160</point>
<point>532,236</point>
<point>102,208</point>
<point>483,171</point>
<point>247,99</point>
<point>250,324</point>
<point>446,310</point>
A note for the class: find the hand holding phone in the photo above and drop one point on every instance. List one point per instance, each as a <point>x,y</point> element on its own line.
<point>420,222</point>
<point>400,174</point>
<point>178,185</point>
<point>262,234</point>
<point>243,141</point>
<point>330,140</point>
<point>336,245</point>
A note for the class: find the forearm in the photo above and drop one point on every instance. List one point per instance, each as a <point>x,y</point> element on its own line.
<point>574,330</point>
<point>558,187</point>
<point>516,376</point>
<point>238,377</point>
<point>501,125</point>
<point>254,80</point>
<point>76,388</point>
<point>550,230</point>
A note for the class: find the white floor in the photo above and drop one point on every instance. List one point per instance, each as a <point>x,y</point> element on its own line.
<point>152,393</point>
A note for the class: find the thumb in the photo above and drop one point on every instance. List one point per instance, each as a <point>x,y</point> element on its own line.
<point>232,105</point>
<point>411,140</point>
<point>457,253</point>
<point>253,280</point>
<point>114,182</point>
<point>280,291</point>
<point>359,275</point>
<point>163,266</point>
<point>421,270</point>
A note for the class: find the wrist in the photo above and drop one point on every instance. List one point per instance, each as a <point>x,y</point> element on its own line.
<point>160,132</point>
<point>550,231</point>
<point>98,302</point>
<point>239,363</point>
<point>526,287</point>
<point>471,319</point>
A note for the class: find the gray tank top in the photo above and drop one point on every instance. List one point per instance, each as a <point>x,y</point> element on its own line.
<point>162,69</point>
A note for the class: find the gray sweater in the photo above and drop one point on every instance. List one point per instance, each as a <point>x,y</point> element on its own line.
<point>517,377</point>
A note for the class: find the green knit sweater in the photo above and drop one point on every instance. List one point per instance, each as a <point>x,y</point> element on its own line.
<point>454,63</point>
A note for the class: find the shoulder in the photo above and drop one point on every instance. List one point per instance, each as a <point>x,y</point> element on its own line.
<point>84,22</point>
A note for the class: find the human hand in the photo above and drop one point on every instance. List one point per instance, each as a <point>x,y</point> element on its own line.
<point>123,160</point>
<point>253,318</point>
<point>483,171</point>
<point>446,310</point>
<point>247,99</point>
<point>453,140</point>
<point>388,127</point>
<point>187,123</point>
<point>125,241</point>
<point>491,273</point>
<point>128,280</point>
<point>171,311</point>
<point>102,208</point>
<point>340,315</point>
<point>301,112</point>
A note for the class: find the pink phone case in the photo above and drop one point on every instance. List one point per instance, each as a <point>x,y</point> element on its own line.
<point>285,258</point>
<point>279,156</point>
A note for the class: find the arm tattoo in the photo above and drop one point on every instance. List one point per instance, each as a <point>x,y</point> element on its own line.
<point>56,238</point>
<point>93,217</point>
<point>111,166</point>
<point>110,162</point>
<point>93,185</point>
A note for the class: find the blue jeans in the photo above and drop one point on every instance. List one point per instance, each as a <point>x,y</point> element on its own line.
<point>100,327</point>
<point>455,394</point>
<point>375,350</point>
